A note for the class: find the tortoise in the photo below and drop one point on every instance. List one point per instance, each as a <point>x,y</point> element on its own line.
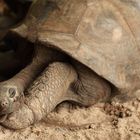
<point>82,48</point>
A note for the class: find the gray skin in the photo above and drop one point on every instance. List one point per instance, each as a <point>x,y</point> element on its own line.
<point>58,82</point>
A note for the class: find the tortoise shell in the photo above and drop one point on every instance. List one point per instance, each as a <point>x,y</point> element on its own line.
<point>102,34</point>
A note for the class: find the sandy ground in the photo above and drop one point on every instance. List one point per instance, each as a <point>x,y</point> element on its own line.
<point>69,122</point>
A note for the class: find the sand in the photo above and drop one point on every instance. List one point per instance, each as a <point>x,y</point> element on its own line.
<point>70,122</point>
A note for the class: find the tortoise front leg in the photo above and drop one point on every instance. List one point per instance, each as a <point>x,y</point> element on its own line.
<point>47,91</point>
<point>58,83</point>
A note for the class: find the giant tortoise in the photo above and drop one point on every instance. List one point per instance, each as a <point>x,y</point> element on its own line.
<point>76,43</point>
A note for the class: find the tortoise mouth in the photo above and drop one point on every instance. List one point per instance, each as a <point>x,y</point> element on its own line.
<point>3,117</point>
<point>14,106</point>
<point>5,112</point>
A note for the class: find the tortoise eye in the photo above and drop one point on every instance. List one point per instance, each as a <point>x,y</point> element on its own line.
<point>12,92</point>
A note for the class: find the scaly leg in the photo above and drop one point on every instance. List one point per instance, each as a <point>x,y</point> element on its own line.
<point>58,83</point>
<point>47,91</point>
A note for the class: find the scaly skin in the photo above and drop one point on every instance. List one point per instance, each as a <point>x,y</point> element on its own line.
<point>43,97</point>
<point>59,82</point>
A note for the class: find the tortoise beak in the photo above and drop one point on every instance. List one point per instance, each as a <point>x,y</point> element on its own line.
<point>3,117</point>
<point>6,106</point>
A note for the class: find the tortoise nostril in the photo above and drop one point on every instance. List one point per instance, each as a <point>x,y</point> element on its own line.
<point>4,104</point>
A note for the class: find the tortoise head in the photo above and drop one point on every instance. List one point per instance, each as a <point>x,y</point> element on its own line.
<point>10,99</point>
